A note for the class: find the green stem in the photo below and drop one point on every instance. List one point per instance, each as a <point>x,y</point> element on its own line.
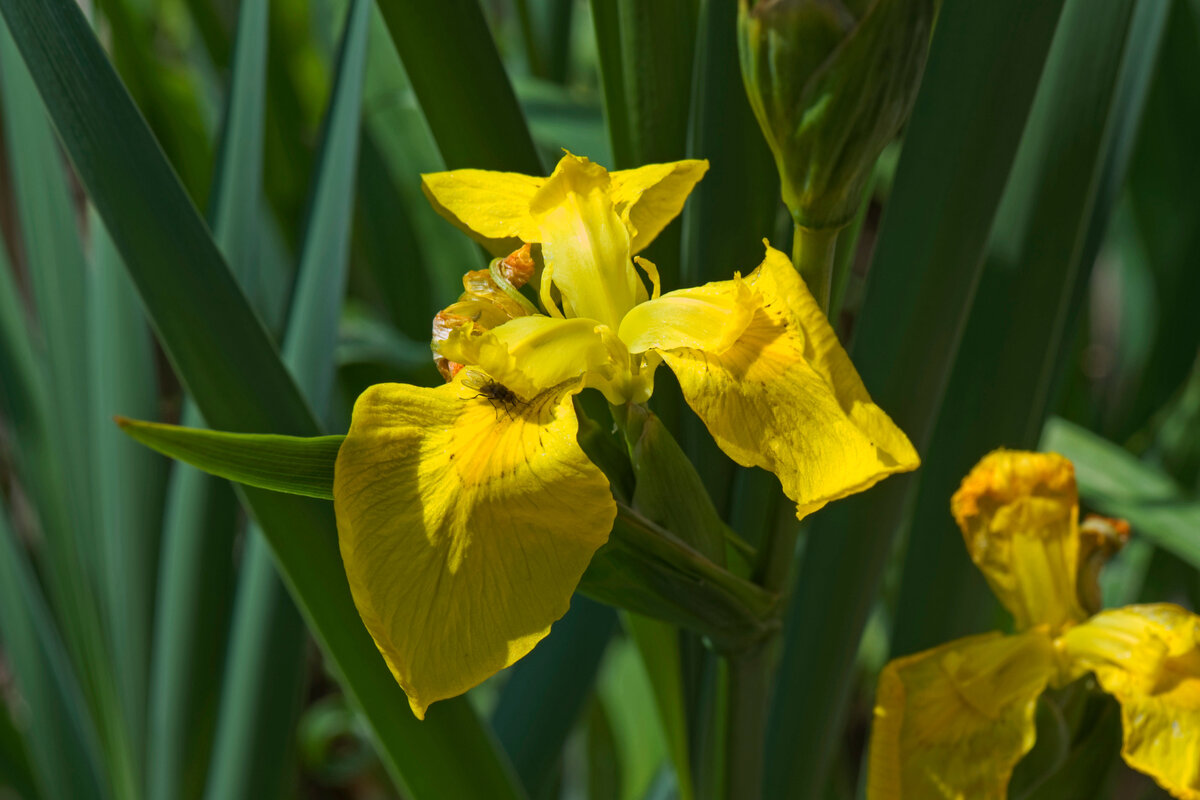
<point>813,253</point>
<point>749,694</point>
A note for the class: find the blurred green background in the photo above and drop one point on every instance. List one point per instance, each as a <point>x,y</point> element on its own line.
<point>1025,270</point>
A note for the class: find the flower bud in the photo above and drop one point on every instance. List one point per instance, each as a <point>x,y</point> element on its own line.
<point>831,82</point>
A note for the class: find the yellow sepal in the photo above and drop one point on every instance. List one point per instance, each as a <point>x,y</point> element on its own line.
<point>952,722</point>
<point>1019,514</point>
<point>1148,658</point>
<point>465,521</point>
<point>782,394</point>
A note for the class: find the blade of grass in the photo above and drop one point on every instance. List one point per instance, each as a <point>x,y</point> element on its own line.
<point>197,587</point>
<point>1113,481</point>
<point>62,746</point>
<point>658,648</point>
<point>958,150</point>
<point>16,772</point>
<point>548,690</point>
<point>58,276</point>
<point>1036,259</point>
<point>646,53</point>
<point>265,674</point>
<point>129,482</point>
<point>1165,204</point>
<point>461,84</point>
<point>733,208</point>
<point>239,383</point>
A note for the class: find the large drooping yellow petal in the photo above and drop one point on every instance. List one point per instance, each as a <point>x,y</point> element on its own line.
<point>1148,657</point>
<point>649,197</point>
<point>782,395</point>
<point>465,521</point>
<point>585,245</point>
<point>1019,515</point>
<point>532,354</point>
<point>490,207</point>
<point>952,722</point>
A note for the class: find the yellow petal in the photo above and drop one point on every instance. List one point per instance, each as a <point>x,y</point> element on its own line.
<point>649,197</point>
<point>491,207</point>
<point>710,318</point>
<point>1148,657</point>
<point>783,395</point>
<point>585,245</point>
<point>952,722</point>
<point>1019,516</point>
<point>532,354</point>
<point>465,522</point>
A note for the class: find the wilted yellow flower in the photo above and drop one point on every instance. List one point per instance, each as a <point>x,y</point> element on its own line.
<point>467,513</point>
<point>952,722</point>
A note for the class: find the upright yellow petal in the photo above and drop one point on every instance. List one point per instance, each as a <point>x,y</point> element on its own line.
<point>1148,657</point>
<point>490,207</point>
<point>952,722</point>
<point>465,521</point>
<point>770,380</point>
<point>585,245</point>
<point>649,197</point>
<point>1019,515</point>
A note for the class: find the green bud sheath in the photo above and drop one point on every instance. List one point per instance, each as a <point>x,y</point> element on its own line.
<point>831,82</point>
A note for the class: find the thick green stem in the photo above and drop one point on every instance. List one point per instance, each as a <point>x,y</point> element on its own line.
<point>813,253</point>
<point>749,694</point>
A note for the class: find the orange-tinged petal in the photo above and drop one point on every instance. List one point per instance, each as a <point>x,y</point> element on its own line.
<point>465,519</point>
<point>952,722</point>
<point>1148,657</point>
<point>1019,515</point>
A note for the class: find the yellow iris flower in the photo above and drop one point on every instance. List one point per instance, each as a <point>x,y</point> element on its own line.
<point>467,513</point>
<point>952,722</point>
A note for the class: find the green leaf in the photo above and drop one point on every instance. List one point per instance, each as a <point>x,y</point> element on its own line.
<point>265,674</point>
<point>238,381</point>
<point>461,84</point>
<point>1162,199</point>
<point>197,570</point>
<point>658,647</point>
<point>958,149</point>
<point>62,481</point>
<point>1114,482</point>
<point>547,691</point>
<point>1038,257</point>
<point>62,744</point>
<point>300,465</point>
<point>129,481</point>
<point>646,52</point>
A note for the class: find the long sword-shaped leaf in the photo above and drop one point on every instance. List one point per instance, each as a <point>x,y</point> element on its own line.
<point>958,149</point>
<point>72,556</point>
<point>129,482</point>
<point>227,362</point>
<point>548,690</point>
<point>265,674</point>
<point>196,589</point>
<point>62,743</point>
<point>460,82</point>
<point>1037,257</point>
<point>1113,481</point>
